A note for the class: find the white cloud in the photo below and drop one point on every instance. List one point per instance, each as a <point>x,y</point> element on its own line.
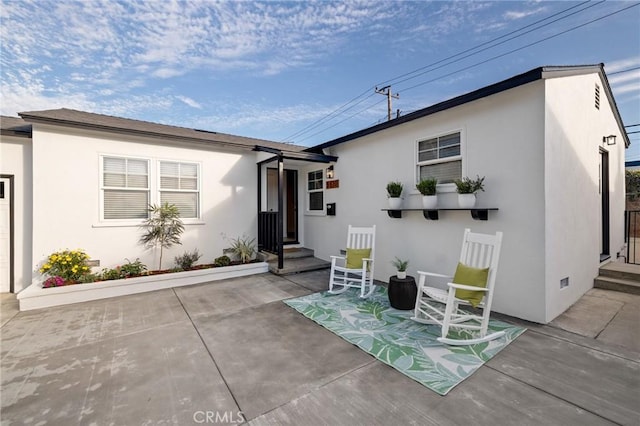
<point>106,48</point>
<point>622,64</point>
<point>519,14</point>
<point>189,101</point>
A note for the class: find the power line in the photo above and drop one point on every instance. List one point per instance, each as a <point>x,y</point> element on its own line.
<point>342,121</point>
<point>340,110</point>
<point>523,47</point>
<point>476,64</point>
<point>497,44</point>
<point>627,70</point>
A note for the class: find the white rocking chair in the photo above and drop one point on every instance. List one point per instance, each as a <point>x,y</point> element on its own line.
<point>437,306</point>
<point>343,275</point>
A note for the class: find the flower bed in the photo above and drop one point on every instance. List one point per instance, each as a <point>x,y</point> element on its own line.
<point>36,297</point>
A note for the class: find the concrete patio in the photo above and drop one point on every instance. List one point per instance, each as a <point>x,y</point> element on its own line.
<point>212,353</point>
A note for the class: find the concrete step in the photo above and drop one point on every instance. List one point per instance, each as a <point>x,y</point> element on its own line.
<point>623,271</point>
<point>289,253</point>
<point>617,284</point>
<point>296,265</point>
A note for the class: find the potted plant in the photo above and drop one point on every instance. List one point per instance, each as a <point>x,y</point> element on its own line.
<point>401,267</point>
<point>427,188</point>
<point>394,191</point>
<point>467,189</point>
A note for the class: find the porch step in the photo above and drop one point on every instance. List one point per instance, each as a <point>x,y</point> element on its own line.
<point>299,259</point>
<point>296,265</point>
<point>617,276</point>
<point>289,253</point>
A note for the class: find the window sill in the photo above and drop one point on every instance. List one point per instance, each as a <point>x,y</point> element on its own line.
<point>315,213</point>
<point>138,224</point>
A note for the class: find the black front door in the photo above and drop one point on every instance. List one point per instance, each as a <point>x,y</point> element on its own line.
<point>290,202</point>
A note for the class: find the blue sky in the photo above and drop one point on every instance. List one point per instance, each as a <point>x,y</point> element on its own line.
<point>286,71</point>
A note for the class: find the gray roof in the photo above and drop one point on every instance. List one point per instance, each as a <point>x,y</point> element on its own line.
<point>14,126</point>
<point>88,120</point>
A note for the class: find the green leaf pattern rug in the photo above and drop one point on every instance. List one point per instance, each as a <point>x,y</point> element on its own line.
<point>392,337</point>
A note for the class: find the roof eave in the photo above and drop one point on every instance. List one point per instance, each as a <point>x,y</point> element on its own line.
<point>120,130</point>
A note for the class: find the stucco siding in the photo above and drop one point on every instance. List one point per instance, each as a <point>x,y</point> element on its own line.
<point>15,159</point>
<point>66,165</point>
<point>502,139</point>
<point>574,130</point>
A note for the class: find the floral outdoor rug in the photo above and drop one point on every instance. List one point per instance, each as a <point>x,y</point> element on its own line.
<point>392,337</point>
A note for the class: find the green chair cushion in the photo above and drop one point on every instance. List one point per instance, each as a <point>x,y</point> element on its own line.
<point>476,277</point>
<point>355,256</point>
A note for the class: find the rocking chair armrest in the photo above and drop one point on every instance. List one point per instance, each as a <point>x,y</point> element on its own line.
<point>467,287</point>
<point>338,257</point>
<point>367,259</point>
<point>433,274</point>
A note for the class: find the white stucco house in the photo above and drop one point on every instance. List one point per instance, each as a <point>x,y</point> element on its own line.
<point>550,143</point>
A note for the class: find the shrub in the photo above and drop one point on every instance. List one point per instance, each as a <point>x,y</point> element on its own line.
<point>129,269</point>
<point>222,261</point>
<point>187,260</point>
<point>132,269</point>
<point>70,265</point>
<point>110,274</point>
<point>244,248</point>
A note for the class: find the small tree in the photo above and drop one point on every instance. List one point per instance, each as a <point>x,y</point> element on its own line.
<point>163,227</point>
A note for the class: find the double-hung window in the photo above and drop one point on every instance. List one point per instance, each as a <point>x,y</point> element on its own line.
<point>179,185</point>
<point>125,188</point>
<point>440,157</point>
<point>315,190</point>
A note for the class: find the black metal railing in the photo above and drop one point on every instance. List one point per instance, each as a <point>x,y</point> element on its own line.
<point>632,234</point>
<point>268,231</point>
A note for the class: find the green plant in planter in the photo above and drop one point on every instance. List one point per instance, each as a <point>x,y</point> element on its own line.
<point>132,269</point>
<point>187,260</point>
<point>400,265</point>
<point>394,189</point>
<point>427,186</point>
<point>222,261</point>
<point>469,186</point>
<point>163,228</point>
<point>244,248</point>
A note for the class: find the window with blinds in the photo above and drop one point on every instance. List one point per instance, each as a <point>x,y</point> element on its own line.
<point>179,185</point>
<point>440,158</point>
<point>125,187</point>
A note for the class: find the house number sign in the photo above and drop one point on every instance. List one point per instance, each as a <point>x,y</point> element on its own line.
<point>332,184</point>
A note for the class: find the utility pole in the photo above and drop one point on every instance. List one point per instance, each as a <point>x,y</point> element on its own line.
<point>386,90</point>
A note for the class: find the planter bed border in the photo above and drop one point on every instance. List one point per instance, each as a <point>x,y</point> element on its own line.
<point>36,297</point>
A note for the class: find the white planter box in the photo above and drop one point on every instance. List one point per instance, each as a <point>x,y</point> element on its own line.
<point>36,297</point>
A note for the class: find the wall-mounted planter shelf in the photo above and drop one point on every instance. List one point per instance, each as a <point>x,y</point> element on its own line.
<point>479,213</point>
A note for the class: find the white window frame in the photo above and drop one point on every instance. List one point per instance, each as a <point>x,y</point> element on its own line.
<point>308,210</point>
<point>442,187</point>
<point>196,191</point>
<point>153,188</point>
<point>104,188</point>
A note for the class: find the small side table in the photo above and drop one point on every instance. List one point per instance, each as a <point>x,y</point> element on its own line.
<point>402,292</point>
